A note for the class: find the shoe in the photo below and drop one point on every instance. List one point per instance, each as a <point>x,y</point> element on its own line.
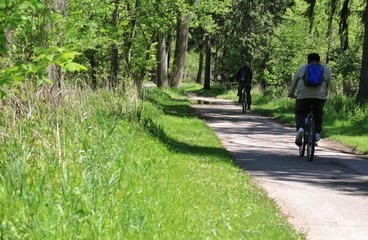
<point>299,137</point>
<point>318,137</point>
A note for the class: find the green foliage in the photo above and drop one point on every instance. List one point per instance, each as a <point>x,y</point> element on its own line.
<point>35,71</point>
<point>293,40</point>
<point>249,28</point>
<point>346,71</point>
<point>14,14</point>
<point>191,67</point>
<point>26,61</point>
<point>289,46</point>
<point>275,36</point>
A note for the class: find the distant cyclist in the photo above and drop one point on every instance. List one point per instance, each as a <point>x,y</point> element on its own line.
<point>244,79</point>
<point>311,83</point>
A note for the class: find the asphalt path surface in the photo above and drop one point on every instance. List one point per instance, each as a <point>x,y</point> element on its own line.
<point>324,199</point>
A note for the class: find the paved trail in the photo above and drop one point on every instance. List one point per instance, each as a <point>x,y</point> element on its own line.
<point>325,199</point>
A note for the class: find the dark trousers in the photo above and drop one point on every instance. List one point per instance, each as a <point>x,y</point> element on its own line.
<point>302,109</point>
<point>247,87</point>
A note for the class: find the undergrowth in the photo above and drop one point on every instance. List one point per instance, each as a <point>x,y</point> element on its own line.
<point>106,165</point>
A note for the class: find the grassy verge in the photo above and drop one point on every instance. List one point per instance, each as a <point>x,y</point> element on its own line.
<point>103,166</point>
<point>344,121</point>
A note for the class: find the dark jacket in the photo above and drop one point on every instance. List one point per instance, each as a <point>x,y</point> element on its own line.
<point>245,75</point>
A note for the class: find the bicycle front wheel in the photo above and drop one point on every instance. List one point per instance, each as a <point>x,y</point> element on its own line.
<point>311,140</point>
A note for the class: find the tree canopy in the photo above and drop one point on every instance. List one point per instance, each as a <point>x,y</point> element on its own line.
<point>104,43</point>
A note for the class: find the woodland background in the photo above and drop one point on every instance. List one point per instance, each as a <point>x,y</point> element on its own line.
<point>120,43</point>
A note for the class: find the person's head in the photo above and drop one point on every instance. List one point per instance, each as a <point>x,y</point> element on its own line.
<point>246,63</point>
<point>313,57</point>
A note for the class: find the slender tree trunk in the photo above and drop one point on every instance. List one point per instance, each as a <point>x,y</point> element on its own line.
<point>162,80</point>
<point>182,33</point>
<point>114,68</point>
<point>363,83</point>
<point>180,51</point>
<point>168,53</point>
<point>114,60</point>
<point>344,27</point>
<point>130,36</point>
<point>332,11</point>
<point>207,74</point>
<point>91,56</point>
<point>200,65</point>
<point>128,55</point>
<point>216,70</point>
<point>55,73</point>
<point>310,13</point>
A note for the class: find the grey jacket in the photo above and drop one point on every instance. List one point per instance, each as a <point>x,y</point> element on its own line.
<point>303,91</point>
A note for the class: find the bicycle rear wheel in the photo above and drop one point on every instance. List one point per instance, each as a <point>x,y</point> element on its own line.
<point>302,147</point>
<point>244,102</point>
<point>311,140</point>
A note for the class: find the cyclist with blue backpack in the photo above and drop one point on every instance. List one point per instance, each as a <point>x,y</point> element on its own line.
<point>311,83</point>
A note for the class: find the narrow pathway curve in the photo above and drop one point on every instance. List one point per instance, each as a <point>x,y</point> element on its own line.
<point>325,199</point>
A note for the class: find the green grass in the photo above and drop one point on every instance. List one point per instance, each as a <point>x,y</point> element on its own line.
<point>103,166</point>
<point>344,120</point>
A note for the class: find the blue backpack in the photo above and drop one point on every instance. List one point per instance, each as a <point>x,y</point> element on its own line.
<point>313,76</point>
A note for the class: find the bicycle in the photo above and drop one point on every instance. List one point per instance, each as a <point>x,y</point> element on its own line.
<point>243,98</point>
<point>244,101</point>
<point>309,138</point>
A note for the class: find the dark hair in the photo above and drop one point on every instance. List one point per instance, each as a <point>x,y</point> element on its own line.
<point>313,57</point>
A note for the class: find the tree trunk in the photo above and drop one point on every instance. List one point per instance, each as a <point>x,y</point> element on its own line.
<point>200,66</point>
<point>168,53</point>
<point>216,70</point>
<point>114,68</point>
<point>182,32</point>
<point>207,74</point>
<point>310,13</point>
<point>363,83</point>
<point>91,56</point>
<point>344,27</point>
<point>162,80</point>
<point>332,11</point>
<point>55,73</point>
<point>130,35</point>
